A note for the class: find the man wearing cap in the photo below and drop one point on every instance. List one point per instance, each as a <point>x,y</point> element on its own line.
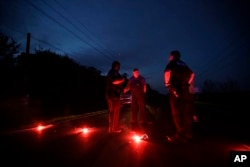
<point>177,78</point>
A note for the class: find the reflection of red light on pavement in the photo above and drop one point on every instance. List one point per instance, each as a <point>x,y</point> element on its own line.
<point>239,147</point>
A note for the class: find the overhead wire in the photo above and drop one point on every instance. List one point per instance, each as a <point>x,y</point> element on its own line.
<point>115,55</point>
<point>89,34</point>
<point>67,29</point>
<point>222,57</point>
<point>39,40</point>
<point>229,60</point>
<point>219,56</point>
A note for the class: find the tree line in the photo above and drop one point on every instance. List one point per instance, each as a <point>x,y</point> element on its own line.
<point>53,78</point>
<point>48,76</point>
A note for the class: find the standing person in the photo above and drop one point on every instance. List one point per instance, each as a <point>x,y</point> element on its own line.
<point>138,87</point>
<point>113,90</point>
<point>177,77</point>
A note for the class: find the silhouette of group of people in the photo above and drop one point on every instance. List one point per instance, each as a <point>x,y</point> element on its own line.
<point>114,87</point>
<point>178,79</point>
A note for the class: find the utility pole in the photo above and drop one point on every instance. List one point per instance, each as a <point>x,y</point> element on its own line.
<point>26,99</point>
<point>28,44</point>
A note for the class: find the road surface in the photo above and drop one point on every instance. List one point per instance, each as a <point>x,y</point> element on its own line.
<point>63,142</point>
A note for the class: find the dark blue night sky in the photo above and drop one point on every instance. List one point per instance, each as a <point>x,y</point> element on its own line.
<point>212,35</point>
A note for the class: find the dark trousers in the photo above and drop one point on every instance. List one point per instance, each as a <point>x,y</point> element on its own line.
<point>138,109</point>
<point>181,107</point>
<point>114,113</point>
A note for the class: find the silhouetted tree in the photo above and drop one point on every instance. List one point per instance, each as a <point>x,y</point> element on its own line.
<point>8,49</point>
<point>209,86</point>
<point>60,80</point>
<point>229,86</point>
<point>55,79</point>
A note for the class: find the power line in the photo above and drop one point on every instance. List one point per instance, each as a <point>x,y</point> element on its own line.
<point>98,43</point>
<point>229,62</point>
<point>39,40</point>
<point>43,12</point>
<point>68,20</point>
<point>224,58</point>
<point>88,31</point>
<point>212,61</point>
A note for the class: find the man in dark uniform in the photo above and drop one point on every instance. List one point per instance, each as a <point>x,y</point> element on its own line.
<point>138,87</point>
<point>178,77</point>
<point>113,91</point>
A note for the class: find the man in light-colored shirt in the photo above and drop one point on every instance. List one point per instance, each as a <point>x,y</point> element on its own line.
<point>138,87</point>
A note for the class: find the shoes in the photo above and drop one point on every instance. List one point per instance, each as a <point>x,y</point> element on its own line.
<point>115,131</point>
<point>190,139</point>
<point>145,123</point>
<point>195,118</point>
<point>176,139</point>
<point>134,126</point>
<point>180,139</point>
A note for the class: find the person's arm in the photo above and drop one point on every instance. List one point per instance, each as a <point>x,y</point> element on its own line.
<point>145,88</point>
<point>167,78</point>
<point>127,88</point>
<point>144,85</point>
<point>167,75</point>
<point>118,81</point>
<point>191,78</point>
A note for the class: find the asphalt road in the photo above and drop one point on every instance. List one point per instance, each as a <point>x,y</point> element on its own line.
<point>63,142</point>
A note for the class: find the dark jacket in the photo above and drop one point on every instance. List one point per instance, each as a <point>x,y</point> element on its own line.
<point>180,75</point>
<point>113,91</point>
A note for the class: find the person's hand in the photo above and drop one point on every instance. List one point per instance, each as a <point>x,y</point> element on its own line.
<point>122,80</point>
<point>175,93</point>
<point>172,90</point>
<point>166,84</point>
<point>195,118</point>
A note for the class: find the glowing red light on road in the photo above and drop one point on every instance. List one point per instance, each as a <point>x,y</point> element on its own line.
<point>137,138</point>
<point>40,127</point>
<point>85,130</point>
